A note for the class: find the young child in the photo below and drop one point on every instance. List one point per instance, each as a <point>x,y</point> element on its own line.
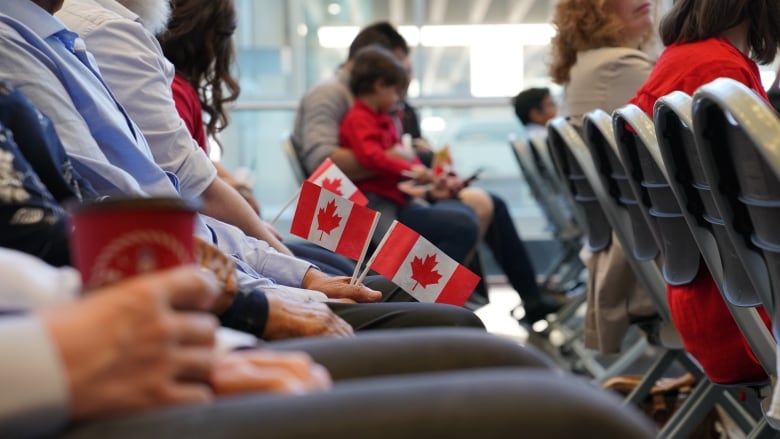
<point>376,81</point>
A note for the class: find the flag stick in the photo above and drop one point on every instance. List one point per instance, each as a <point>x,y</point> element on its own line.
<point>373,256</point>
<point>365,249</point>
<point>286,205</point>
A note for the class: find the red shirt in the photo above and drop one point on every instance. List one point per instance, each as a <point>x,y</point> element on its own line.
<point>370,134</point>
<point>686,67</point>
<point>190,110</point>
<point>705,325</point>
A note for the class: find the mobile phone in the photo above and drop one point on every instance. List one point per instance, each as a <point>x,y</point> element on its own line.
<point>471,178</point>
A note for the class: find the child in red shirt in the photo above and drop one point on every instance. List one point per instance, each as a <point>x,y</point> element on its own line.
<point>376,81</point>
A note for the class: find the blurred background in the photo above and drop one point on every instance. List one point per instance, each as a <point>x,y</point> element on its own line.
<point>469,57</point>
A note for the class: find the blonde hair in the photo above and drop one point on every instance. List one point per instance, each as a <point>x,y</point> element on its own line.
<point>582,25</point>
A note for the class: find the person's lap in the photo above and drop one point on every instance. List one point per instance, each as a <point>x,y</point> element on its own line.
<point>417,350</point>
<point>395,315</point>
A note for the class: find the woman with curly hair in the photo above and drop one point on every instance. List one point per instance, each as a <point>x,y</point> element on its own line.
<point>710,39</point>
<point>596,53</point>
<point>203,81</point>
<point>596,56</point>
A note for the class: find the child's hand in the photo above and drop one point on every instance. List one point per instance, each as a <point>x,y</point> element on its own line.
<point>422,174</point>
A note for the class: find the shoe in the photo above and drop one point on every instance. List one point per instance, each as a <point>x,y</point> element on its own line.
<point>538,310</point>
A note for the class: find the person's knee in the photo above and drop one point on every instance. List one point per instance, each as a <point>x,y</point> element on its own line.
<point>481,203</point>
<point>450,315</point>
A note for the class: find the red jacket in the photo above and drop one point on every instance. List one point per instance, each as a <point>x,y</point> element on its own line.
<point>370,134</point>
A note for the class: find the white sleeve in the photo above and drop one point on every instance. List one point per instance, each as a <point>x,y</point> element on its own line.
<point>134,67</point>
<point>33,384</point>
<point>30,283</point>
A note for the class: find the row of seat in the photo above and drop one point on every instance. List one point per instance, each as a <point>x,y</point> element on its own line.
<point>698,184</point>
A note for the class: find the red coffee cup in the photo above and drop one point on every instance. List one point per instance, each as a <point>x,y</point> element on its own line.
<point>124,237</point>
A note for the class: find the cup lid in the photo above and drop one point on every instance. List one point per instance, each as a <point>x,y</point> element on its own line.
<point>133,203</point>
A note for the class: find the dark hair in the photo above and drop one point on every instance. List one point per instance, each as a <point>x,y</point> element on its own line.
<point>372,64</point>
<point>695,20</point>
<point>528,100</point>
<point>199,43</point>
<point>380,33</point>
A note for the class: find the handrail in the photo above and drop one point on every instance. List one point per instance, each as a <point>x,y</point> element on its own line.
<point>292,104</point>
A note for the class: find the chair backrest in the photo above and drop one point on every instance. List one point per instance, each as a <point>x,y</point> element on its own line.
<point>600,139</point>
<point>546,189</point>
<point>559,134</point>
<point>296,165</point>
<point>733,128</point>
<point>674,131</point>
<point>637,144</point>
<point>679,159</point>
<point>647,273</point>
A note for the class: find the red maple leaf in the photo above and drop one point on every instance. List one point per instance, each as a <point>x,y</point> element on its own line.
<point>333,186</point>
<point>423,271</point>
<point>327,219</point>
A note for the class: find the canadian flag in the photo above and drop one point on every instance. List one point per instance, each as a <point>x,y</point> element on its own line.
<point>421,269</point>
<point>333,222</point>
<point>330,177</point>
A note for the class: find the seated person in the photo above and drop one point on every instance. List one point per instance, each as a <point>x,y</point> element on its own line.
<point>376,79</point>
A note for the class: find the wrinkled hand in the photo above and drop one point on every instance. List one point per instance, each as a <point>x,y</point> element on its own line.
<point>338,287</point>
<point>268,371</point>
<point>136,344</point>
<point>291,318</point>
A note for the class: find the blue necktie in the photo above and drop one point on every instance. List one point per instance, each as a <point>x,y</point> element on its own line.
<point>69,40</point>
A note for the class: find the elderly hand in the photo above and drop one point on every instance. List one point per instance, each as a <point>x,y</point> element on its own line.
<point>291,318</point>
<point>338,287</point>
<point>268,371</point>
<point>138,344</point>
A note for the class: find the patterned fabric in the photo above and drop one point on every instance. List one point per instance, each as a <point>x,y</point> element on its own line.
<point>35,178</point>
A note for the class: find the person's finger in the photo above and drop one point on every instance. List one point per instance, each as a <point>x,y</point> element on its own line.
<point>193,364</point>
<point>339,327</point>
<point>187,287</point>
<point>365,294</point>
<point>194,329</point>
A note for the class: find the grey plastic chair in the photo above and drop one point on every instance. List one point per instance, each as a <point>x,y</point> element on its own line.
<point>559,210</point>
<point>622,209</point>
<point>564,141</point>
<point>635,137</point>
<point>734,128</point>
<point>675,137</point>
<point>599,137</point>
<point>598,230</point>
<point>544,188</point>
<point>738,135</point>
<point>678,157</point>
<point>673,125</point>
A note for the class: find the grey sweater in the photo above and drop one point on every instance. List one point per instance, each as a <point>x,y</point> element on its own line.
<point>316,132</point>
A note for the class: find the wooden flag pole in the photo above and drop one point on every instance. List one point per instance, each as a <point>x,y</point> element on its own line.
<point>286,205</point>
<point>373,256</point>
<point>359,262</point>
